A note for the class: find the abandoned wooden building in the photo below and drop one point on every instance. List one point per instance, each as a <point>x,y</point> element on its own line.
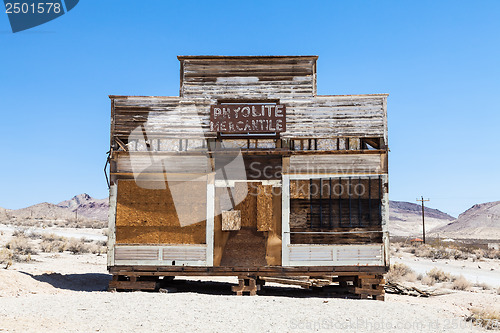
<point>249,173</point>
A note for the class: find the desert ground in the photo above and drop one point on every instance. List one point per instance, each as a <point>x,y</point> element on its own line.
<point>66,292</point>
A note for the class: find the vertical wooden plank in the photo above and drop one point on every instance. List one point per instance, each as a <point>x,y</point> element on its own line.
<point>310,204</point>
<point>285,220</point>
<point>112,224</point>
<point>384,106</point>
<point>359,204</point>
<point>369,200</point>
<point>210,218</point>
<point>385,219</point>
<point>264,207</point>
<point>330,204</point>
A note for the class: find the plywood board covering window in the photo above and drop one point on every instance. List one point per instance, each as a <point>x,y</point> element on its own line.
<point>146,214</point>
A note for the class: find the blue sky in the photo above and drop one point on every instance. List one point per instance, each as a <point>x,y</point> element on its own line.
<point>438,60</point>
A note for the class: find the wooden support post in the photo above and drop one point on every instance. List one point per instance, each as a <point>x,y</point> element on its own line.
<point>349,194</point>
<point>210,219</point>
<point>340,202</point>
<point>310,203</point>
<point>330,204</point>
<point>369,200</point>
<point>359,203</point>
<point>133,283</point>
<point>113,190</point>
<point>321,203</point>
<point>369,286</point>
<point>285,220</point>
<point>246,284</point>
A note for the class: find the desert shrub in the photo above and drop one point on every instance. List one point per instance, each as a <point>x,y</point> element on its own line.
<point>426,279</point>
<point>400,272</point>
<point>6,257</point>
<point>21,245</point>
<point>97,249</point>
<point>461,283</point>
<point>52,237</point>
<point>438,275</point>
<point>498,291</point>
<point>483,286</point>
<point>33,234</point>
<point>427,251</point>
<point>487,318</point>
<point>53,246</point>
<point>492,254</point>
<point>77,246</point>
<point>18,233</point>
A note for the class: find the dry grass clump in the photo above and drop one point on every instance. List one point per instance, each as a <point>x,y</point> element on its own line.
<point>18,232</point>
<point>451,251</point>
<point>438,275</point>
<point>487,318</point>
<point>461,283</point>
<point>400,272</point>
<point>77,246</point>
<point>21,245</point>
<point>93,224</point>
<point>53,246</point>
<point>483,286</point>
<point>440,252</point>
<point>492,254</point>
<point>53,243</point>
<point>53,237</point>
<point>6,257</point>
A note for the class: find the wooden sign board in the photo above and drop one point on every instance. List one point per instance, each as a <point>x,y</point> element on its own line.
<point>247,118</point>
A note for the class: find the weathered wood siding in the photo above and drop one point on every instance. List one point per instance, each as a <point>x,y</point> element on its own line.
<point>149,118</point>
<point>139,162</point>
<point>248,77</point>
<point>336,116</point>
<point>159,117</point>
<point>336,163</point>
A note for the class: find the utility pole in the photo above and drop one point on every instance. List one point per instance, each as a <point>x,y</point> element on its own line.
<point>423,216</point>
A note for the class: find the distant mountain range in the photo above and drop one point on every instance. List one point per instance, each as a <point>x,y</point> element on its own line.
<point>82,207</point>
<point>405,219</point>
<point>482,221</point>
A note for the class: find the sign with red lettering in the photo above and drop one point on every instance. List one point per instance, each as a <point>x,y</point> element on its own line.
<point>247,118</point>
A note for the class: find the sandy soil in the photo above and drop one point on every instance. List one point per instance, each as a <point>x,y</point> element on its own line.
<point>66,293</point>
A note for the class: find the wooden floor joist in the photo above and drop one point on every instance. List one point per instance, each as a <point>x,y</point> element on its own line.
<point>132,283</point>
<point>247,271</point>
<point>361,285</point>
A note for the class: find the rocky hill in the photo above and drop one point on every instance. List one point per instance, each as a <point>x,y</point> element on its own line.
<point>481,221</point>
<point>85,205</point>
<point>405,219</point>
<point>79,209</point>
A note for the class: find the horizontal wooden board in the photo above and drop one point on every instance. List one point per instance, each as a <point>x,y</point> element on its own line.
<point>138,162</point>
<point>335,163</point>
<point>318,255</point>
